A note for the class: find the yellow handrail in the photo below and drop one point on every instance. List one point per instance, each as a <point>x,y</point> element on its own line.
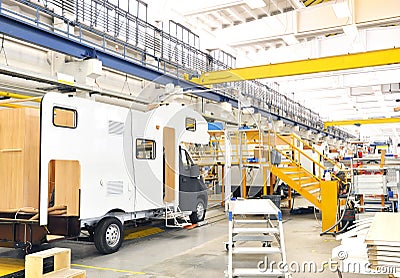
<point>322,155</point>
<point>315,150</point>
<point>300,151</point>
<point>295,162</point>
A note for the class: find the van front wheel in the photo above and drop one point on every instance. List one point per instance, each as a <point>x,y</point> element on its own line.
<point>108,235</point>
<point>199,214</point>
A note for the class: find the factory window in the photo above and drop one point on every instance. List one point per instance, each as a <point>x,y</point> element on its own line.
<point>190,124</point>
<point>64,117</point>
<point>145,149</point>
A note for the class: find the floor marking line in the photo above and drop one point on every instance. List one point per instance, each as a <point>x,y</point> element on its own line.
<point>108,269</point>
<point>143,233</point>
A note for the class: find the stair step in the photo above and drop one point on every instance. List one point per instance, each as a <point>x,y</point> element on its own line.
<point>256,272</point>
<point>255,230</point>
<point>314,191</point>
<point>256,250</point>
<point>249,221</point>
<point>304,185</point>
<point>289,167</point>
<point>293,173</point>
<point>253,238</point>
<point>301,178</point>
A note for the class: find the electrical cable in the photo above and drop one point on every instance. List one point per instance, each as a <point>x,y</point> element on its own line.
<point>127,85</point>
<point>341,231</point>
<point>316,218</point>
<point>2,49</point>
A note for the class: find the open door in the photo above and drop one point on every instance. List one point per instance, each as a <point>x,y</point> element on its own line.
<point>169,164</point>
<point>64,185</point>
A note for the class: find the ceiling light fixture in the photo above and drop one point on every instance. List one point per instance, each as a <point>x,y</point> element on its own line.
<point>255,4</point>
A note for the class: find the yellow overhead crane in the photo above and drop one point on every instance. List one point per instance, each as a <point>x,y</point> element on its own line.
<point>324,64</point>
<point>363,122</point>
<point>309,66</point>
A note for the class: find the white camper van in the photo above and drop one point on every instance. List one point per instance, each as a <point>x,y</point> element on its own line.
<point>81,164</point>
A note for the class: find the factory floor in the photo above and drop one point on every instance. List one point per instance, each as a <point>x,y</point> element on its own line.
<point>199,252</point>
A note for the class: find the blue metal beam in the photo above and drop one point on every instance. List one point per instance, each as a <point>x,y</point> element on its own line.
<point>36,35</point>
<point>50,40</point>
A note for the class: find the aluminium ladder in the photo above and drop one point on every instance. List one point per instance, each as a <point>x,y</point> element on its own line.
<point>249,224</point>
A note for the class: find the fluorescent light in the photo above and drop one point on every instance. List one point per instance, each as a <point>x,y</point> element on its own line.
<point>255,4</point>
<point>341,9</point>
<point>290,39</point>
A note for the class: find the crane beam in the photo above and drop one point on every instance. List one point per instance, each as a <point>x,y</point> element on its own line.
<point>363,122</point>
<point>324,64</point>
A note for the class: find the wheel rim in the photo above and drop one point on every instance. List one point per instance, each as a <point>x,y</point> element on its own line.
<point>200,210</point>
<point>113,235</point>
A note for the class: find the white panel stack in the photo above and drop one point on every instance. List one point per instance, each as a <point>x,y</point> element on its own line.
<point>370,184</point>
<point>383,240</point>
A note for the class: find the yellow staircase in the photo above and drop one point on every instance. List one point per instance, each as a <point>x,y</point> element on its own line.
<point>308,183</point>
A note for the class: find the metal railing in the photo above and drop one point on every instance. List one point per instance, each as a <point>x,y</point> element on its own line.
<point>122,28</point>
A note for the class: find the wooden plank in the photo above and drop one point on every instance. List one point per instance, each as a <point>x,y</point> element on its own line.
<point>169,163</point>
<point>375,253</point>
<point>66,180</point>
<point>375,248</point>
<point>31,158</point>
<point>382,258</point>
<point>19,157</point>
<point>383,243</point>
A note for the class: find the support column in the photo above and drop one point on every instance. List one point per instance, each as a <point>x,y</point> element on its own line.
<point>244,183</point>
<point>222,185</point>
<point>265,179</point>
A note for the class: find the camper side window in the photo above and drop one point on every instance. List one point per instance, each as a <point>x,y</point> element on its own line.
<point>190,124</point>
<point>145,149</point>
<point>64,117</point>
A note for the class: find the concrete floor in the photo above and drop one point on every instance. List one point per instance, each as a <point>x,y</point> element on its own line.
<point>199,252</point>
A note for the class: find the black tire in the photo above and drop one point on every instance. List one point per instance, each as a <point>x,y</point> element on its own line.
<point>200,213</point>
<point>108,235</point>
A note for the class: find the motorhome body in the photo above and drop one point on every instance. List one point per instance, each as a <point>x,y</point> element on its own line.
<point>109,164</point>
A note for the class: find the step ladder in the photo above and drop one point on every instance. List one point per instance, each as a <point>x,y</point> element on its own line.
<point>179,217</point>
<point>250,225</point>
<point>34,264</point>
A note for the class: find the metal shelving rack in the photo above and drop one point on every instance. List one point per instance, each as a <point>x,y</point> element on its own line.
<point>246,226</point>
